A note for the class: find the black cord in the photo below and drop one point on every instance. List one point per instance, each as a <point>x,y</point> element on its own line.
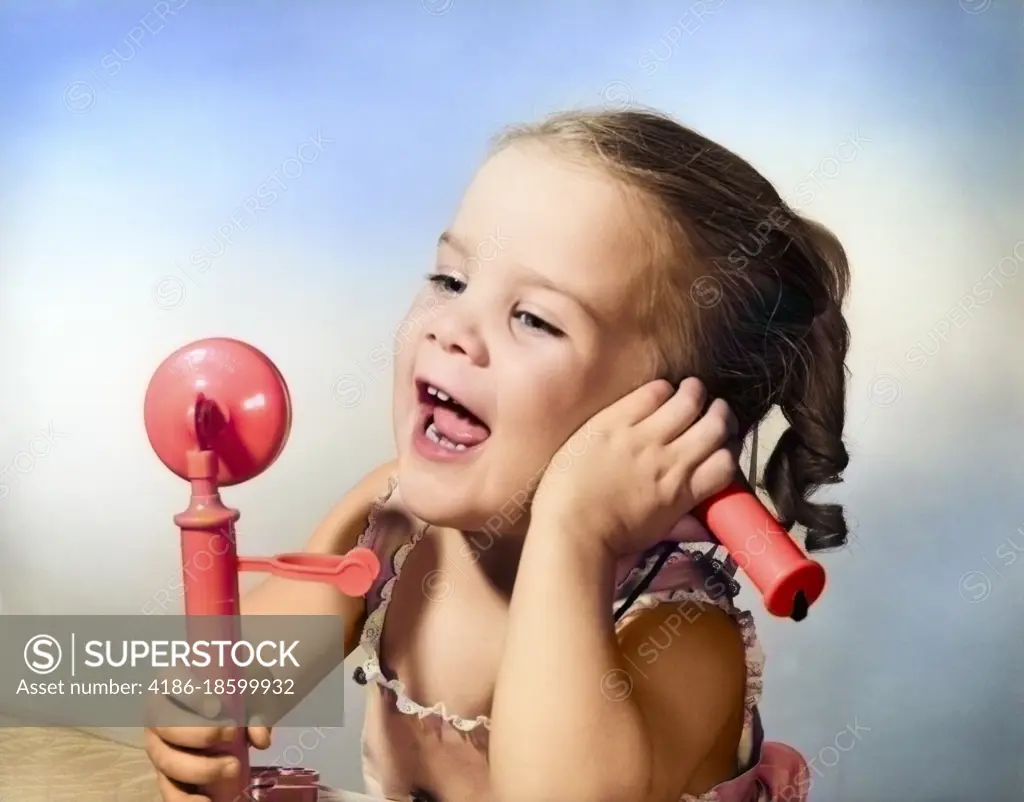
<point>666,552</point>
<point>800,606</point>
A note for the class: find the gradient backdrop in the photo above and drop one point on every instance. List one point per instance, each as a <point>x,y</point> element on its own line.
<point>131,147</point>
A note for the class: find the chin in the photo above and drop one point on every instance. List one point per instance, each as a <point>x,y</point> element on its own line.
<point>441,497</point>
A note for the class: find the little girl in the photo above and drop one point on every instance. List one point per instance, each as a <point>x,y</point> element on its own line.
<point>617,303</point>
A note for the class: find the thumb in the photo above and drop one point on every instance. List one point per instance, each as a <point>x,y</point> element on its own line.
<point>259,737</point>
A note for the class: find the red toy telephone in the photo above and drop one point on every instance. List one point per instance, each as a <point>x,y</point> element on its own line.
<point>217,413</point>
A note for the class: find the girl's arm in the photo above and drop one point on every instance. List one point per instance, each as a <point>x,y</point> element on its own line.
<point>583,713</point>
<point>337,533</point>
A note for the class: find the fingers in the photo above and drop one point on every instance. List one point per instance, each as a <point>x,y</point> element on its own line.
<point>186,767</point>
<point>713,475</point>
<point>701,451</point>
<point>194,737</point>
<point>677,413</point>
<point>706,454</point>
<point>171,791</point>
<point>642,402</point>
<point>713,431</point>
<point>180,772</point>
<point>259,737</point>
<point>735,447</point>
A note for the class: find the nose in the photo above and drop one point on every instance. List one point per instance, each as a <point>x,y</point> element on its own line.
<point>455,330</point>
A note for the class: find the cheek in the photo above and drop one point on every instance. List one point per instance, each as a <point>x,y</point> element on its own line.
<point>403,393</point>
<point>405,364</point>
<point>404,342</point>
<point>411,330</point>
<point>543,408</point>
<point>416,321</point>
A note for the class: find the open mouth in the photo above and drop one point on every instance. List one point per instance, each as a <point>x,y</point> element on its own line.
<point>448,423</point>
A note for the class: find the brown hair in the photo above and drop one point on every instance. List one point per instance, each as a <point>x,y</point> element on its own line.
<point>751,302</point>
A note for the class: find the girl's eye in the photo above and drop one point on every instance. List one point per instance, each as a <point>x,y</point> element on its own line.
<point>447,283</point>
<point>531,321</point>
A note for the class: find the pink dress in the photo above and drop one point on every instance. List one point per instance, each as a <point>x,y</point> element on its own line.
<point>766,771</point>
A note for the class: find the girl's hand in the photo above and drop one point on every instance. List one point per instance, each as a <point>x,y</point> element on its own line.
<point>637,467</point>
<point>184,739</point>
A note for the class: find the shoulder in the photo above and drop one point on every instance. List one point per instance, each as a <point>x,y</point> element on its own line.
<point>346,521</point>
<point>686,667</point>
<point>694,630</point>
<point>377,483</point>
<point>686,638</point>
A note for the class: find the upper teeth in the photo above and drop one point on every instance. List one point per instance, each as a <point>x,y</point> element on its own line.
<point>441,394</point>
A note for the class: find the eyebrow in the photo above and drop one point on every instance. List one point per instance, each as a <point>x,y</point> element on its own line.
<point>449,239</point>
<point>531,276</point>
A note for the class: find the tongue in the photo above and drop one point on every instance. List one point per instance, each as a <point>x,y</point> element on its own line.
<point>458,428</point>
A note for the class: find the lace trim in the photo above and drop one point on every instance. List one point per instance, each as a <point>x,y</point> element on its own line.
<point>710,796</point>
<point>369,536</point>
<point>763,795</point>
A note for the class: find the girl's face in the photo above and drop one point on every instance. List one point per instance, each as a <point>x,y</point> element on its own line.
<point>525,329</point>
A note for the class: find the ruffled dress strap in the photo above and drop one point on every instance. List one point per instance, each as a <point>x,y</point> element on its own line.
<point>376,538</point>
